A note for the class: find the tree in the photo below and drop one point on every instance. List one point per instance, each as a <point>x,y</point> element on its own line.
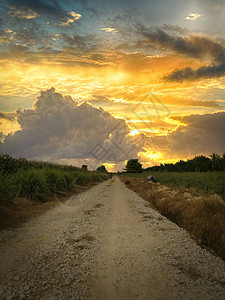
<point>223,161</point>
<point>213,158</point>
<point>199,163</point>
<point>216,162</point>
<point>133,166</point>
<point>101,169</point>
<point>84,168</point>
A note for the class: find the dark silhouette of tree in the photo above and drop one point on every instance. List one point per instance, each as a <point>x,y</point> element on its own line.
<point>223,161</point>
<point>217,162</point>
<point>133,166</point>
<point>213,157</point>
<point>102,169</point>
<point>84,168</point>
<point>201,163</point>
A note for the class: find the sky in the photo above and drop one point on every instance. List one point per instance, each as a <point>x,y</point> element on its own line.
<point>92,82</point>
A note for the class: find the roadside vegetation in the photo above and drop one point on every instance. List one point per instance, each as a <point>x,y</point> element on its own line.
<point>198,201</point>
<point>38,180</point>
<point>203,183</point>
<point>201,216</point>
<point>204,175</point>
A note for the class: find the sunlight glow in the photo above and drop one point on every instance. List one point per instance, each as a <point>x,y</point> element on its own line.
<point>110,167</point>
<point>134,132</point>
<point>8,126</point>
<point>152,155</point>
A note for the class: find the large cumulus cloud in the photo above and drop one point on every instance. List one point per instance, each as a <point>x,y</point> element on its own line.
<point>59,128</point>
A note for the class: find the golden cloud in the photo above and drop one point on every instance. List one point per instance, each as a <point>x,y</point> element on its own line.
<point>22,13</point>
<point>110,30</point>
<point>72,17</point>
<point>193,16</point>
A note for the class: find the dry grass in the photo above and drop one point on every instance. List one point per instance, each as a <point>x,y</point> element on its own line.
<point>202,216</point>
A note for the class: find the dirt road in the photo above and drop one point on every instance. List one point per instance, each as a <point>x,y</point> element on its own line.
<point>106,243</point>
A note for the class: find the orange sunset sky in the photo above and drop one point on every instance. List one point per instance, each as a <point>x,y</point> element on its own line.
<point>105,81</point>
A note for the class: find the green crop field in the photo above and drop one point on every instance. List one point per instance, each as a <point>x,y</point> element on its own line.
<point>202,182</point>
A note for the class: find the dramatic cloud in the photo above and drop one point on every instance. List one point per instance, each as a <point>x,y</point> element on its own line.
<point>72,16</point>
<point>193,16</point>
<point>201,73</point>
<point>202,134</point>
<point>196,135</point>
<point>59,128</point>
<point>8,116</point>
<point>194,46</point>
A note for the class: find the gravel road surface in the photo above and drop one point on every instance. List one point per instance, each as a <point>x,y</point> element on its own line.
<point>106,243</point>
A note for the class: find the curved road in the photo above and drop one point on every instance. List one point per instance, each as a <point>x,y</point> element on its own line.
<point>106,243</point>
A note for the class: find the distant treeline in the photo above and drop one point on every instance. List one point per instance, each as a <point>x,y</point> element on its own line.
<point>201,163</point>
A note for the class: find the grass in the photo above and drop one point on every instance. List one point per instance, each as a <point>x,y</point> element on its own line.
<point>7,188</point>
<point>29,188</point>
<point>54,179</point>
<point>202,216</point>
<point>32,184</point>
<point>207,183</point>
<point>38,180</point>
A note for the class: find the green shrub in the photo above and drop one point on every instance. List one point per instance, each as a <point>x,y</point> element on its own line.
<point>8,188</point>
<point>83,178</point>
<point>69,179</point>
<point>35,179</point>
<point>32,184</point>
<point>54,179</point>
<point>98,177</point>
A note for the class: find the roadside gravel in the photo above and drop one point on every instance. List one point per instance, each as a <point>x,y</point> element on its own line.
<point>106,243</point>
